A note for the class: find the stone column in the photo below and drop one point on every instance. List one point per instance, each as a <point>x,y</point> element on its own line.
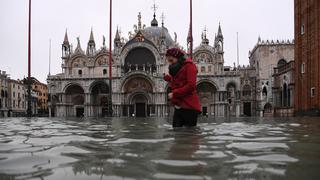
<point>87,105</point>
<point>238,109</point>
<point>49,111</point>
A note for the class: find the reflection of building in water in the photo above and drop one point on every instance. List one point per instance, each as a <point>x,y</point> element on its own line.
<point>138,86</point>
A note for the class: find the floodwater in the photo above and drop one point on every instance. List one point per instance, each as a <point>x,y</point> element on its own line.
<point>119,148</point>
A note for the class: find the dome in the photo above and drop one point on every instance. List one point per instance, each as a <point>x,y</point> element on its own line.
<point>155,32</point>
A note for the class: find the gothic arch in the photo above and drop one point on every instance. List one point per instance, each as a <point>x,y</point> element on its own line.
<point>205,55</point>
<point>102,59</point>
<point>72,84</point>
<point>94,83</point>
<point>139,95</point>
<point>74,94</point>
<point>72,62</point>
<point>208,81</point>
<point>231,83</point>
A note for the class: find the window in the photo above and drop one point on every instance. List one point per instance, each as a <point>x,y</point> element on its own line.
<point>80,72</point>
<point>302,68</point>
<point>209,68</point>
<point>246,91</point>
<point>313,92</point>
<point>14,94</point>
<point>104,71</point>
<point>203,69</point>
<point>14,103</point>
<point>302,29</point>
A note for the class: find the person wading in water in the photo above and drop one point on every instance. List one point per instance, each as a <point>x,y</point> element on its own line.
<point>182,79</point>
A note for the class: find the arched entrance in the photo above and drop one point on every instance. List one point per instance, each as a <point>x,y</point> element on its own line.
<point>267,110</point>
<point>99,96</point>
<point>246,94</point>
<point>207,95</point>
<point>137,93</point>
<point>140,102</point>
<point>74,98</point>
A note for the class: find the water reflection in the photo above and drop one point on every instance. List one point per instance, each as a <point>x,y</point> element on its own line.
<point>244,148</point>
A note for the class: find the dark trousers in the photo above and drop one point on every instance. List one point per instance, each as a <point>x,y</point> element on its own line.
<point>184,117</point>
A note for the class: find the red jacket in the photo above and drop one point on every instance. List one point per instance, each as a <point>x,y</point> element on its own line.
<point>184,86</point>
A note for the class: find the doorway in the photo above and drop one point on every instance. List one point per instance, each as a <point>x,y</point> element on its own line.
<point>204,110</point>
<point>140,109</point>
<point>80,112</point>
<point>247,108</point>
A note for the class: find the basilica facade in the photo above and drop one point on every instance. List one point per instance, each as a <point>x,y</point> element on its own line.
<point>138,88</point>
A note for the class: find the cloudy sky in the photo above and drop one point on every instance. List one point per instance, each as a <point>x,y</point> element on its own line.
<point>271,19</point>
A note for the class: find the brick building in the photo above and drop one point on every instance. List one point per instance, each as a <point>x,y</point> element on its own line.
<point>307,57</point>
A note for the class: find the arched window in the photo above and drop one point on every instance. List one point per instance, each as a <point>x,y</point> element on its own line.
<point>281,62</point>
<point>80,72</point>
<point>104,71</point>
<point>264,91</point>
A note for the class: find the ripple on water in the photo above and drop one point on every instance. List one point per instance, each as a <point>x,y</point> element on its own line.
<point>257,146</point>
<point>268,158</point>
<point>179,163</point>
<point>179,176</point>
<point>128,140</point>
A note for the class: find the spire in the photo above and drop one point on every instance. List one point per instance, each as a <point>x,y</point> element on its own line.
<point>154,22</point>
<point>117,39</point>
<point>162,19</point>
<point>139,21</point>
<point>66,40</point>
<point>259,39</point>
<point>204,38</point>
<point>220,35</point>
<point>117,34</point>
<point>91,39</point>
<point>66,46</point>
<point>91,48</point>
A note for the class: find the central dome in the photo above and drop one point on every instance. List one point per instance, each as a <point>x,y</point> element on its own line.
<point>154,32</point>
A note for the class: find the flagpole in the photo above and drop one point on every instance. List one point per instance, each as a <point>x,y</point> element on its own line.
<point>191,39</point>
<point>29,111</point>
<point>110,61</point>
<point>237,50</point>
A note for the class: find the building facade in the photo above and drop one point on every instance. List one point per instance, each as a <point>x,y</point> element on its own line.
<point>248,80</point>
<point>307,57</point>
<point>17,98</point>
<point>4,95</point>
<point>264,57</point>
<point>138,88</point>
<point>283,89</point>
<point>41,91</point>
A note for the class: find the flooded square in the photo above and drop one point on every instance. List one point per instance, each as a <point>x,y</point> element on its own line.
<point>149,148</point>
